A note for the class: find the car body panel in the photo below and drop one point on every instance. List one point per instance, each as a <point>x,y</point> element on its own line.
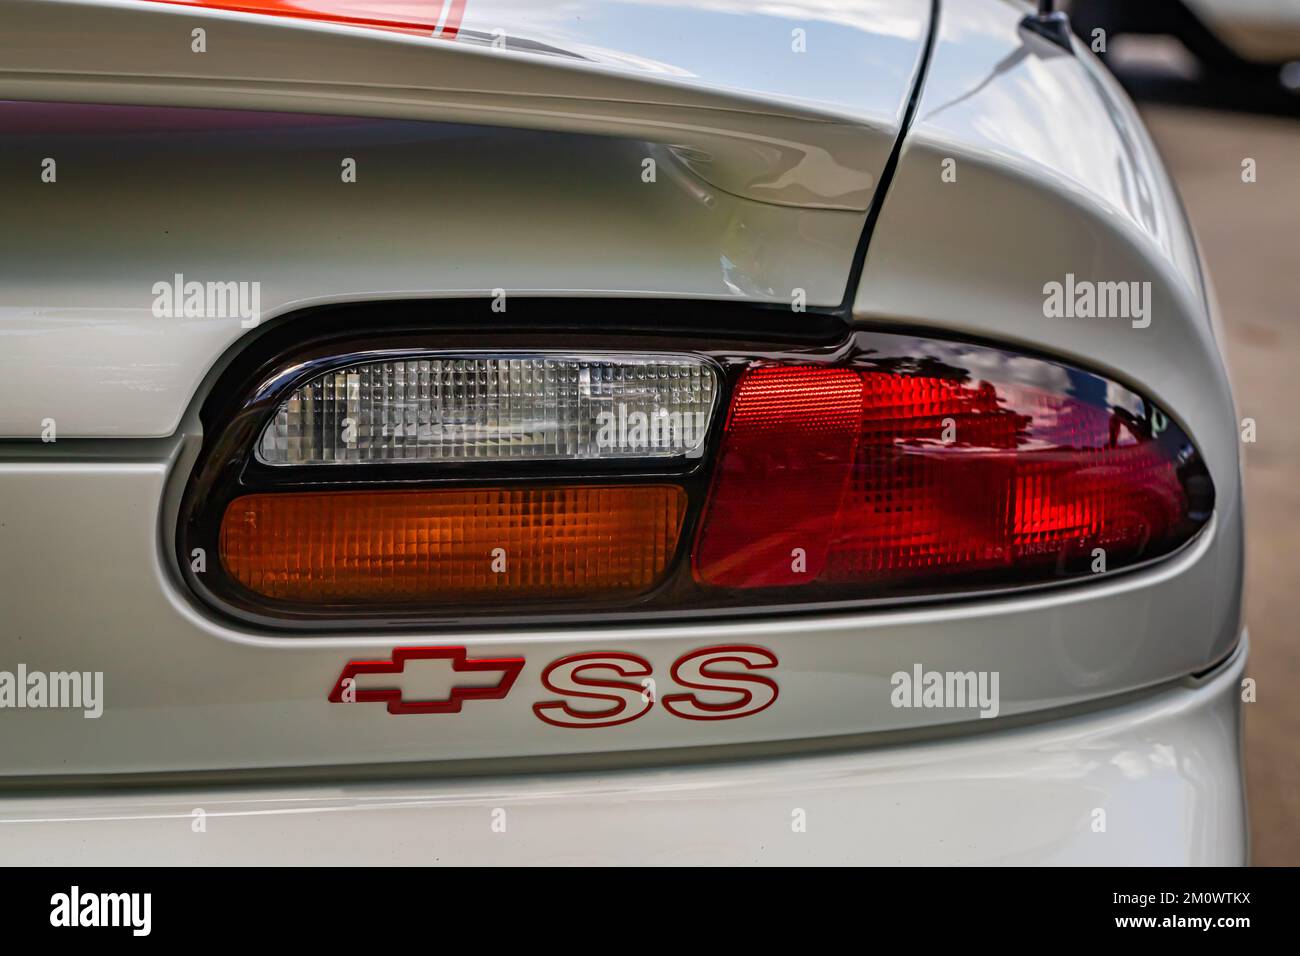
<point>438,210</point>
<point>1055,176</point>
<point>763,176</point>
<point>1137,784</point>
<point>187,692</point>
<point>790,134</point>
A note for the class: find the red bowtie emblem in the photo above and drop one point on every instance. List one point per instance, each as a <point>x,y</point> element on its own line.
<point>508,667</point>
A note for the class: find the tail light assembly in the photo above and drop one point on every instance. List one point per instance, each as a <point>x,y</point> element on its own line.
<point>417,476</point>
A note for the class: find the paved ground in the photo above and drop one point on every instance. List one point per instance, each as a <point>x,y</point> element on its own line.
<point>1250,234</point>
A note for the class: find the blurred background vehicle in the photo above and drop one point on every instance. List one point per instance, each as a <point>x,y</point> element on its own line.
<point>1232,46</point>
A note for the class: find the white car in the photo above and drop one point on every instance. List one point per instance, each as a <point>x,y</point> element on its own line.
<point>1250,38</point>
<point>622,431</point>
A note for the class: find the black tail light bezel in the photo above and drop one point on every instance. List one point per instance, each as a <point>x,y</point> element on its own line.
<point>731,336</point>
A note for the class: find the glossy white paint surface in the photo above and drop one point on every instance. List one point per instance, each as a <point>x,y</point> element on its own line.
<point>766,160</point>
<point>1159,769</point>
<point>436,211</point>
<point>728,83</point>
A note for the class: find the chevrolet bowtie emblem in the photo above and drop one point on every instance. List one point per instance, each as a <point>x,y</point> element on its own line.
<point>346,691</point>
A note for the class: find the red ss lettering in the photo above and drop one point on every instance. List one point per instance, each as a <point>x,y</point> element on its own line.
<point>567,676</point>
<point>726,669</point>
<point>699,670</point>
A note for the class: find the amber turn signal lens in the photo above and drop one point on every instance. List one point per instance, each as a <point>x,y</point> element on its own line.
<point>452,545</point>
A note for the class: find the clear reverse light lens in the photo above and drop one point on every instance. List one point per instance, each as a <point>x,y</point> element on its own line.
<point>468,408</point>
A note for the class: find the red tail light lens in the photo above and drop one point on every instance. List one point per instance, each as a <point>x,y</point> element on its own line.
<point>791,436</point>
<point>882,478</point>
